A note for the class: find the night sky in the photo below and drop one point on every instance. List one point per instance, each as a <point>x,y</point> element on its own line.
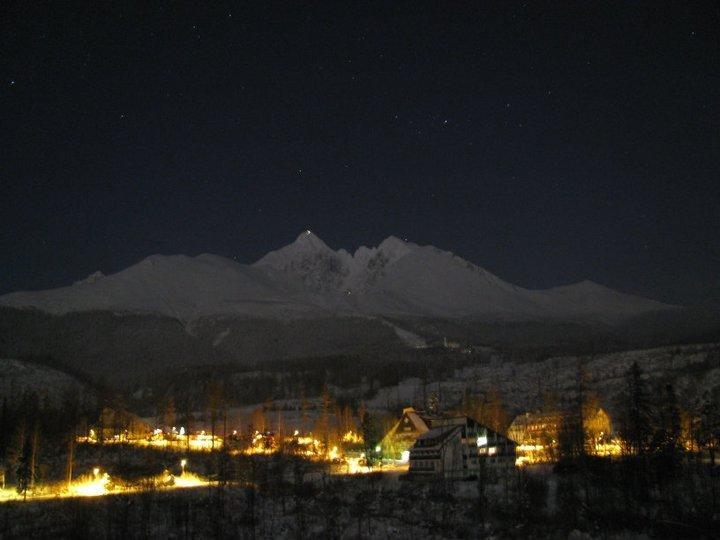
<point>546,142</point>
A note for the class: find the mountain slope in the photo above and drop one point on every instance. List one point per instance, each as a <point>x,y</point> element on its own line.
<point>309,279</point>
<point>179,286</point>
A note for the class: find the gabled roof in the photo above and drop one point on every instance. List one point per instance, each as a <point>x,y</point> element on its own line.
<point>418,421</point>
<point>437,436</point>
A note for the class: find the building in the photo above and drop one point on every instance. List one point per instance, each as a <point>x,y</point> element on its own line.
<point>537,434</point>
<point>439,452</point>
<point>397,442</point>
<point>452,447</point>
<point>495,451</point>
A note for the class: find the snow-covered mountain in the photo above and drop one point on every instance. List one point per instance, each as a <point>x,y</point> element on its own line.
<point>309,279</point>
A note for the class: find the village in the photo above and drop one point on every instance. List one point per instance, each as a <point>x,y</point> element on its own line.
<point>418,445</point>
<point>456,458</point>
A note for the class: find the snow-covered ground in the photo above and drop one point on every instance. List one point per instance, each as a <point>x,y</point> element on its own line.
<point>522,384</point>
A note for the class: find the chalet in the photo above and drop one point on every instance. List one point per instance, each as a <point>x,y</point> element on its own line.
<point>448,446</point>
<point>439,452</point>
<point>397,442</point>
<point>495,451</point>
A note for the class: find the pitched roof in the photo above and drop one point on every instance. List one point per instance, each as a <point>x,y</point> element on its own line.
<point>438,435</point>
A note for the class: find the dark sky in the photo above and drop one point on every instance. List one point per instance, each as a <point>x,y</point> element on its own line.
<point>546,142</point>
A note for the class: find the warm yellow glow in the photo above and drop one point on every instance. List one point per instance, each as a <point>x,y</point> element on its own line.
<point>94,486</point>
<point>175,440</point>
<point>352,437</point>
<point>611,448</point>
<point>188,480</point>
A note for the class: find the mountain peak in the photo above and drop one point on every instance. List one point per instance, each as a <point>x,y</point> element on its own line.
<point>92,278</point>
<point>393,242</point>
<point>310,239</point>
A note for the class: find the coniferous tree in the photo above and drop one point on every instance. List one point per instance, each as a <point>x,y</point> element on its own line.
<point>709,425</point>
<point>6,428</point>
<point>667,437</point>
<point>371,437</point>
<point>635,424</point>
<point>572,439</point>
<point>24,471</point>
<point>322,427</point>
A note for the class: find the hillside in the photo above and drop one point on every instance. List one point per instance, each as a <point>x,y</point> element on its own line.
<point>18,377</point>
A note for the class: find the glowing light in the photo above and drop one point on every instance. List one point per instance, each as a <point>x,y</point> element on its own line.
<point>405,456</point>
<point>352,437</point>
<point>188,480</point>
<point>482,441</point>
<point>94,487</point>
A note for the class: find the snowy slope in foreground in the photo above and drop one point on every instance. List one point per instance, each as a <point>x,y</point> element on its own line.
<point>307,278</point>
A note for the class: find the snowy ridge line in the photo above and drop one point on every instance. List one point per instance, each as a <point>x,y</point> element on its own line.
<point>309,279</point>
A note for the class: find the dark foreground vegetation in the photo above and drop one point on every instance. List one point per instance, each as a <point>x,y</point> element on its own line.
<point>278,498</point>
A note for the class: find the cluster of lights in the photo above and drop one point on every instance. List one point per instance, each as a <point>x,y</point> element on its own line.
<point>99,483</point>
<point>158,438</point>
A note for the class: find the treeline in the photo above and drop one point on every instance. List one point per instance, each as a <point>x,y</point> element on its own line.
<point>539,340</point>
<point>36,434</point>
<point>652,421</point>
<point>293,379</point>
<point>666,479</point>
